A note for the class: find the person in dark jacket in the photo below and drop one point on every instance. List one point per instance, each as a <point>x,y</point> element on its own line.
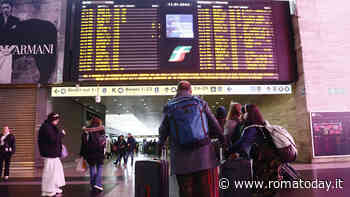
<point>221,115</point>
<point>131,142</point>
<point>92,149</point>
<point>7,149</point>
<point>250,134</point>
<point>195,168</point>
<point>7,21</point>
<point>50,147</point>
<point>122,150</point>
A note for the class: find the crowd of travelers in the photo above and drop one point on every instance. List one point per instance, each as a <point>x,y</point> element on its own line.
<point>241,133</point>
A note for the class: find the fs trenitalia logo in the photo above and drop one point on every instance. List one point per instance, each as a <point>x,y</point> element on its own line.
<point>179,53</point>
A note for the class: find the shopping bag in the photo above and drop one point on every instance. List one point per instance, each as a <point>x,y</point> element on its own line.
<point>81,165</point>
<point>64,152</point>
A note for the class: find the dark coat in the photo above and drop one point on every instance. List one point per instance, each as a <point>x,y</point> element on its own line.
<point>9,142</point>
<point>92,152</point>
<point>122,146</point>
<point>244,144</point>
<point>12,22</point>
<point>50,140</point>
<point>131,143</point>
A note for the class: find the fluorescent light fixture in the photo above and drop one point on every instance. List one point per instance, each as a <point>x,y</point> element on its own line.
<point>204,2</point>
<point>221,2</point>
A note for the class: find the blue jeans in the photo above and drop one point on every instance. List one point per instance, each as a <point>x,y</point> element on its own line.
<point>130,153</point>
<point>120,156</point>
<point>96,175</point>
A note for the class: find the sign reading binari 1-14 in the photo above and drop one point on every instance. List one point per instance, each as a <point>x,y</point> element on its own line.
<point>29,42</point>
<point>201,41</point>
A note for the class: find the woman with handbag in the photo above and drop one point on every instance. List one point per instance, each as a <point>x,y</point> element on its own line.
<point>7,149</point>
<point>92,150</point>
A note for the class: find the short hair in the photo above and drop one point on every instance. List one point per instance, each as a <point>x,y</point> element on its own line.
<point>221,112</point>
<point>184,85</point>
<point>6,2</point>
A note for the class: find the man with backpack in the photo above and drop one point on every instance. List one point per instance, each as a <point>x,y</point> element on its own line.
<point>186,120</point>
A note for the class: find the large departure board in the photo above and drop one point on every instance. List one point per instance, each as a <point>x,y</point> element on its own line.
<point>116,38</point>
<point>236,37</point>
<point>202,41</point>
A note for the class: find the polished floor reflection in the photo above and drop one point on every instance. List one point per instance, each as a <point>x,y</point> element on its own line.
<point>119,181</point>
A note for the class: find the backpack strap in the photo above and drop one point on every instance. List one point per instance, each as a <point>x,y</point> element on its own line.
<point>252,126</point>
<point>206,133</point>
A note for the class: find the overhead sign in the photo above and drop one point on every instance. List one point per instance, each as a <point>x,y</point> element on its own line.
<point>169,90</point>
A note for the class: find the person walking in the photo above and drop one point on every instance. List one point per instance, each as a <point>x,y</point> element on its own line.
<point>92,150</point>
<point>7,149</point>
<point>131,142</point>
<point>195,164</point>
<point>122,148</point>
<point>50,147</point>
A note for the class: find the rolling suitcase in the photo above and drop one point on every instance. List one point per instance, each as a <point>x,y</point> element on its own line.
<point>152,177</point>
<point>235,170</point>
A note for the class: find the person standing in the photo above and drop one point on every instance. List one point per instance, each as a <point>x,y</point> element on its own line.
<point>131,142</point>
<point>232,127</point>
<point>221,115</point>
<point>7,21</point>
<point>7,149</point>
<point>195,167</point>
<point>92,149</point>
<point>50,147</point>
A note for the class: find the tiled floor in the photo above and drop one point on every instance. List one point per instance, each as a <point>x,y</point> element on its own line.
<point>119,182</point>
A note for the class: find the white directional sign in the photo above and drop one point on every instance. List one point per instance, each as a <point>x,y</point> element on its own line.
<point>169,90</point>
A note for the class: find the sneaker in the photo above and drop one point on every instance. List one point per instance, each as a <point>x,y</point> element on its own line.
<point>59,191</point>
<point>48,194</point>
<point>98,188</point>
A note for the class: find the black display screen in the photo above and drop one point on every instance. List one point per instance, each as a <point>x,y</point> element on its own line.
<point>202,41</point>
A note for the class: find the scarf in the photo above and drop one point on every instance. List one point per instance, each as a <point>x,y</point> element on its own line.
<point>2,141</point>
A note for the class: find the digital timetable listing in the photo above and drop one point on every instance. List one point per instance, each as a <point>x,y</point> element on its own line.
<point>198,40</point>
